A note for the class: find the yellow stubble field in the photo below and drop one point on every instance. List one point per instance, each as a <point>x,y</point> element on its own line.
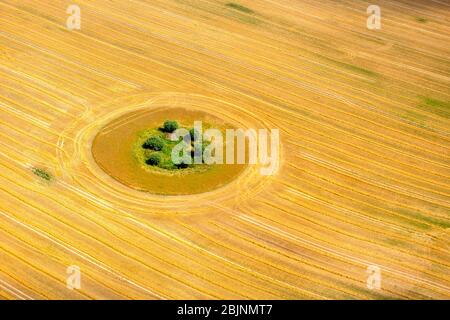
<point>364,167</point>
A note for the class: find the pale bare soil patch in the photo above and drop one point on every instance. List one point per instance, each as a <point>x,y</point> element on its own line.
<point>364,177</point>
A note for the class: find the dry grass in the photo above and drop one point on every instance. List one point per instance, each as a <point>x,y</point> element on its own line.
<point>365,147</point>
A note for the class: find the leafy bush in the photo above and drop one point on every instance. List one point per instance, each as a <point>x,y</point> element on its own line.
<point>154,159</point>
<point>182,165</point>
<point>154,143</point>
<point>170,126</point>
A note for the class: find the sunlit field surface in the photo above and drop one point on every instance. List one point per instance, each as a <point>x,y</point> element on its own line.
<point>363,182</point>
<point>113,146</point>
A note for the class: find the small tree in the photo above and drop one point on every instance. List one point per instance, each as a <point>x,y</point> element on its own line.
<point>170,126</point>
<point>154,159</point>
<point>154,143</point>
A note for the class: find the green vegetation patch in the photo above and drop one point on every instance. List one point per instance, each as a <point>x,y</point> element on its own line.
<point>351,67</point>
<point>438,107</point>
<point>430,220</point>
<point>155,143</point>
<point>154,159</point>
<point>169,126</point>
<point>239,7</point>
<point>42,174</point>
<point>153,148</point>
<point>356,69</point>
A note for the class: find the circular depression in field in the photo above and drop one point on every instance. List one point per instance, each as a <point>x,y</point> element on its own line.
<point>112,149</point>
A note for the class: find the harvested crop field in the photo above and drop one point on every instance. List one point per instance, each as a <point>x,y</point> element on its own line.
<point>363,180</point>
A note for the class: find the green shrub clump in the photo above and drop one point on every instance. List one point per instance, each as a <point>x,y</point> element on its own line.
<point>194,134</point>
<point>154,159</point>
<point>42,174</point>
<point>182,165</point>
<point>154,143</point>
<point>239,7</point>
<point>170,126</point>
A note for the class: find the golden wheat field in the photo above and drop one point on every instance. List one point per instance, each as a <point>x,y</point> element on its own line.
<point>363,179</point>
